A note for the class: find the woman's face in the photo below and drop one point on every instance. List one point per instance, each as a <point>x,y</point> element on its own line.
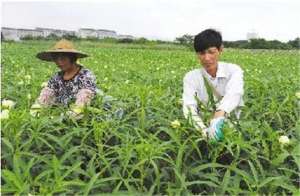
<point>63,61</point>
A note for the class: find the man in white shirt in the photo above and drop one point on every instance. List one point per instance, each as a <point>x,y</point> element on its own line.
<point>224,80</point>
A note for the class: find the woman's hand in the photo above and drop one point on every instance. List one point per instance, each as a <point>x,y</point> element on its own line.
<point>47,97</point>
<point>84,97</point>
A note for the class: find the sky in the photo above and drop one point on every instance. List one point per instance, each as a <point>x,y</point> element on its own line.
<point>160,19</point>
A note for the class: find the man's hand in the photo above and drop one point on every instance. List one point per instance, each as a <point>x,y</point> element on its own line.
<point>215,129</point>
<point>219,113</point>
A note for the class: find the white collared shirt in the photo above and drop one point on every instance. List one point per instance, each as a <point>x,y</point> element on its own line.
<point>228,83</point>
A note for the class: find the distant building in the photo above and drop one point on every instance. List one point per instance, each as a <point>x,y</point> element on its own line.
<point>17,34</point>
<point>46,31</point>
<point>96,33</point>
<point>125,37</point>
<point>29,33</point>
<point>252,35</point>
<point>65,32</point>
<point>57,32</point>
<point>87,33</point>
<point>103,33</point>
<point>9,34</point>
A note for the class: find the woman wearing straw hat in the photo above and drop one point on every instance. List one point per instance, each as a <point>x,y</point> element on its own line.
<point>73,82</point>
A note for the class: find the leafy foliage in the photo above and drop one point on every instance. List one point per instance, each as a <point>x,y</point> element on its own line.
<point>142,152</point>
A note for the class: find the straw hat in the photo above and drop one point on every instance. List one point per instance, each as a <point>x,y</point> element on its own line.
<point>62,46</point>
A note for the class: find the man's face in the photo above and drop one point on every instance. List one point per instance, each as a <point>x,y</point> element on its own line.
<point>209,58</point>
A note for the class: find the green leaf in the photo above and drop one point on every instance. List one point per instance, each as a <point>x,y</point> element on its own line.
<point>68,154</point>
<point>8,144</point>
<point>12,178</point>
<point>242,173</point>
<point>205,166</point>
<point>208,183</point>
<point>254,172</point>
<point>225,182</point>
<point>71,169</point>
<point>89,186</point>
<point>267,181</point>
<point>280,158</point>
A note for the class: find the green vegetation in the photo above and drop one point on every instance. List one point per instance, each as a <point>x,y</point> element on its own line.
<point>152,149</point>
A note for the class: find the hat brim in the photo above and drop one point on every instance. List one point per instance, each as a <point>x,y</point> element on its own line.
<point>48,55</point>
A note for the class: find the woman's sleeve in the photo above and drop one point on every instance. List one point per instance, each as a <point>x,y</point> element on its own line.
<point>47,95</point>
<point>88,81</point>
<point>84,97</point>
<point>87,89</point>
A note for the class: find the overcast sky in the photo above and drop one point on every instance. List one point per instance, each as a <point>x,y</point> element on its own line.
<point>160,19</point>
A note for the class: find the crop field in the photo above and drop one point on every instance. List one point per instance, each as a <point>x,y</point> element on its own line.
<point>150,148</point>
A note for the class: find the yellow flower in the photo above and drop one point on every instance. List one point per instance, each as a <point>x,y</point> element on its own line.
<point>44,84</point>
<point>36,106</point>
<point>20,83</point>
<point>284,140</point>
<point>77,109</point>
<point>27,77</point>
<point>298,95</point>
<point>4,114</point>
<point>175,124</point>
<point>180,102</point>
<point>8,104</point>
<point>35,109</point>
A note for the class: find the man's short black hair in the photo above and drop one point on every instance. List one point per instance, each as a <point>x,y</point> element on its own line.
<point>206,39</point>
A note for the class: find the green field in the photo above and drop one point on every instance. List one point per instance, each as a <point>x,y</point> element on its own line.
<point>142,152</point>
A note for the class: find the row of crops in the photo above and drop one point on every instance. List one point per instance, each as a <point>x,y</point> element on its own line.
<point>150,148</point>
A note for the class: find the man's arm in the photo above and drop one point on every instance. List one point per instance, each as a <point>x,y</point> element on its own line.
<point>233,94</point>
<point>190,104</point>
<point>232,98</point>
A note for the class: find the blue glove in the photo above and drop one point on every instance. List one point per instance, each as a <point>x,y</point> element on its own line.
<point>215,129</point>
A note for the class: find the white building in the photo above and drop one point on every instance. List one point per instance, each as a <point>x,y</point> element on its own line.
<point>69,32</point>
<point>125,37</point>
<point>87,33</point>
<point>46,31</point>
<point>61,33</point>
<point>9,34</point>
<point>96,33</point>
<point>103,33</point>
<point>29,33</point>
<point>57,32</point>
<point>17,34</point>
